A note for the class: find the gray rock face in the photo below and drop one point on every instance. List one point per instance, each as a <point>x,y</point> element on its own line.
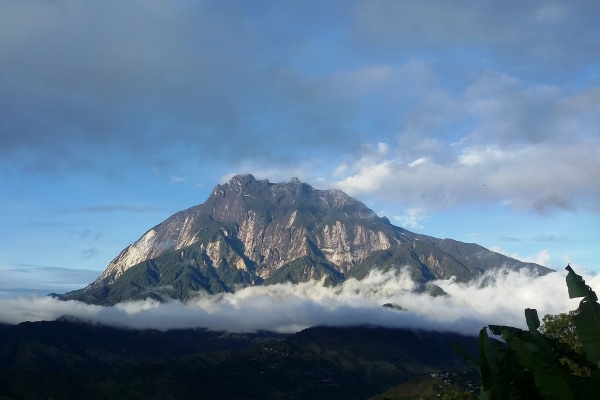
<point>252,231</point>
<point>275,224</point>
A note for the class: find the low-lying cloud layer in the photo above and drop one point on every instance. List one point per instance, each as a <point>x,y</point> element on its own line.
<point>290,308</point>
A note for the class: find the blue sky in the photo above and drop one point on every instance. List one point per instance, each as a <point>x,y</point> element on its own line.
<point>474,121</point>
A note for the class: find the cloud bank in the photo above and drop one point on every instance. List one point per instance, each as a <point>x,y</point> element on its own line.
<point>529,147</point>
<point>290,308</point>
<point>501,95</point>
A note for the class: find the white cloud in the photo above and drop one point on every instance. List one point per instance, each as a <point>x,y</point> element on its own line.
<point>412,219</point>
<point>289,308</point>
<point>419,161</point>
<point>472,156</point>
<point>370,178</point>
<point>383,148</point>
<point>533,147</point>
<point>543,257</point>
<point>340,170</point>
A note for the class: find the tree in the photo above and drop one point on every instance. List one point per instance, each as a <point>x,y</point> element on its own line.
<point>562,327</point>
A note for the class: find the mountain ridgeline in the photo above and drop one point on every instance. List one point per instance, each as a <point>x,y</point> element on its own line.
<point>253,232</point>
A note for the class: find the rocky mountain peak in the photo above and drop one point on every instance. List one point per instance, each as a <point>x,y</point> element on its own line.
<point>252,231</point>
<point>246,182</point>
<point>240,184</point>
<point>243,193</point>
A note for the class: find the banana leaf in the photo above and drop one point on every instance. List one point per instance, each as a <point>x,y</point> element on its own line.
<point>537,357</point>
<point>587,322</point>
<point>577,287</point>
<point>486,364</point>
<point>533,321</point>
<point>587,319</point>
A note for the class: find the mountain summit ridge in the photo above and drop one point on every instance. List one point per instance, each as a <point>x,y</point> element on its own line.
<point>251,232</point>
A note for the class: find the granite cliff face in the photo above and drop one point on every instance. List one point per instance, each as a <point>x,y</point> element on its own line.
<point>272,223</point>
<point>251,232</point>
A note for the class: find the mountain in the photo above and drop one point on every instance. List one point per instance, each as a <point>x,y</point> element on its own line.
<point>253,232</point>
<point>68,359</point>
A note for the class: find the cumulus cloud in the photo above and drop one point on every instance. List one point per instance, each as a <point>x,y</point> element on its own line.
<point>412,218</point>
<point>530,147</point>
<point>289,308</point>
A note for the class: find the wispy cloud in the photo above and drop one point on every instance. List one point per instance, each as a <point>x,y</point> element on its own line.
<point>112,208</point>
<point>177,179</point>
<point>90,252</point>
<point>549,238</point>
<point>537,238</point>
<point>44,278</point>
<point>542,257</point>
<point>510,239</point>
<point>412,219</point>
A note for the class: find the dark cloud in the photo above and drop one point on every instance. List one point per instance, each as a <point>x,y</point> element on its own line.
<point>552,202</point>
<point>96,85</point>
<point>535,37</point>
<point>464,95</point>
<point>83,83</point>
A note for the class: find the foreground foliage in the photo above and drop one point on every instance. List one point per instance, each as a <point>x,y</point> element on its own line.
<point>533,365</point>
<point>562,328</point>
